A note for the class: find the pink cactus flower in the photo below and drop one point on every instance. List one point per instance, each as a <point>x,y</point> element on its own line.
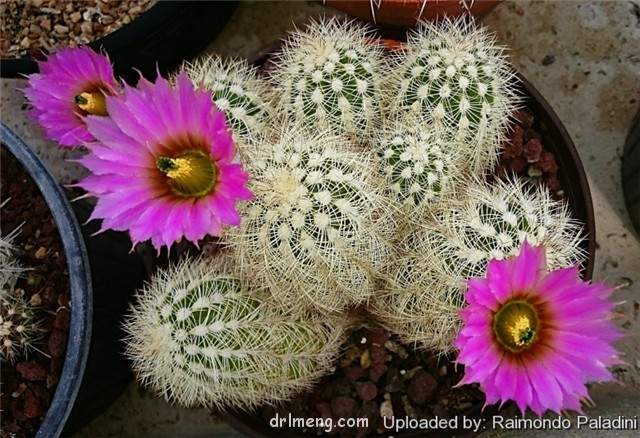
<point>535,337</point>
<point>72,84</point>
<point>162,164</point>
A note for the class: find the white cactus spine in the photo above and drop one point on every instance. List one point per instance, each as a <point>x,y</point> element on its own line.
<point>493,221</point>
<point>453,74</point>
<point>328,77</point>
<point>18,323</point>
<point>317,229</point>
<point>416,304</point>
<point>198,336</point>
<point>237,90</point>
<point>419,164</point>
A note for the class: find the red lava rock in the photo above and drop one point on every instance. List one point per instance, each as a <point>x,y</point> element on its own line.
<point>338,387</point>
<point>394,381</point>
<point>344,407</point>
<point>63,318</point>
<point>513,147</point>
<point>378,337</point>
<point>32,407</point>
<point>324,409</point>
<point>52,381</point>
<point>377,353</point>
<point>371,412</point>
<point>501,171</point>
<point>547,163</point>
<point>530,134</point>
<point>366,390</point>
<point>422,387</point>
<point>353,373</point>
<point>533,150</point>
<point>554,183</point>
<point>32,371</point>
<point>518,164</point>
<point>58,343</point>
<point>376,371</point>
<point>525,118</point>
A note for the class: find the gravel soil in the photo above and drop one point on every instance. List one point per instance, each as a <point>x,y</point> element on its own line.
<point>33,26</point>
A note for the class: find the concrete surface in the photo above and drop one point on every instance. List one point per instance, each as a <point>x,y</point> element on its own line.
<point>584,57</point>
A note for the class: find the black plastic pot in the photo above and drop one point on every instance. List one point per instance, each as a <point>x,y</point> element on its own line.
<point>631,172</point>
<point>79,284</point>
<point>103,274</point>
<point>159,39</point>
<point>117,272</point>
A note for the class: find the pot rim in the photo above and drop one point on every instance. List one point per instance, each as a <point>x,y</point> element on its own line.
<point>79,284</point>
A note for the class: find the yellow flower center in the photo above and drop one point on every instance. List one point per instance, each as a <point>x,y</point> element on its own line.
<point>93,103</point>
<point>516,325</point>
<point>190,174</point>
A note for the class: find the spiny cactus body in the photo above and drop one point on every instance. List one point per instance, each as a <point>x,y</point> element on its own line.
<point>317,228</point>
<point>18,326</point>
<point>238,91</point>
<point>452,74</point>
<point>328,77</point>
<point>10,269</point>
<point>199,337</point>
<point>414,303</point>
<point>493,221</point>
<point>418,163</point>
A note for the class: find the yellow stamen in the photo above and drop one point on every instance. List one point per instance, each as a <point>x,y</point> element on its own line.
<point>516,325</point>
<point>190,174</point>
<point>92,103</point>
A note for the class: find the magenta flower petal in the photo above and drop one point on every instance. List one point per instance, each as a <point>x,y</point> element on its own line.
<point>498,279</point>
<point>162,164</point>
<point>534,337</point>
<point>527,267</point>
<point>52,93</point>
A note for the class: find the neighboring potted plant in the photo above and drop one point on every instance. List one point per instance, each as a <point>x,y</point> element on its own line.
<point>54,292</point>
<point>407,13</point>
<point>105,280</point>
<point>360,187</point>
<point>158,40</point>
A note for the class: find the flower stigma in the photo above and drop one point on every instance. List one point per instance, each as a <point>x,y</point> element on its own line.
<point>92,103</point>
<point>516,325</point>
<point>190,174</point>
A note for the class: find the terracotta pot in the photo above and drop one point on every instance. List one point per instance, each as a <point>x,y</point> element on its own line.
<point>408,12</point>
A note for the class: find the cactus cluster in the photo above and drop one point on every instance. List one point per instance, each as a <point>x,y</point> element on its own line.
<point>316,229</point>
<point>199,336</point>
<point>366,176</point>
<point>453,75</point>
<point>328,76</point>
